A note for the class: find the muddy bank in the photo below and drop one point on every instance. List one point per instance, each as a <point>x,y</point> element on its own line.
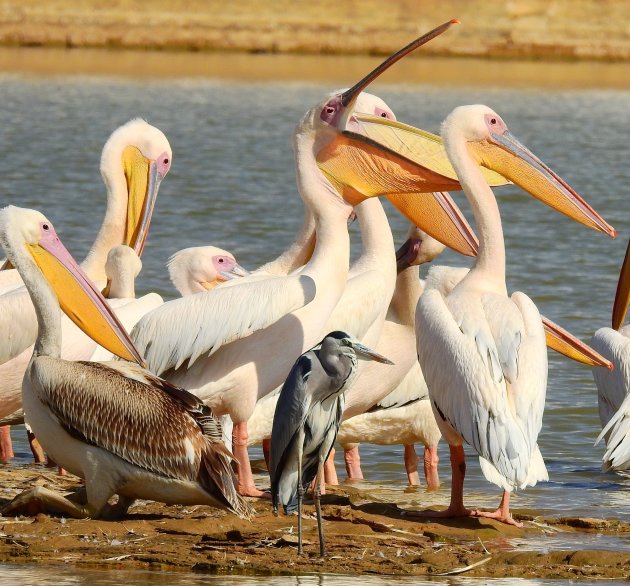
<point>538,29</point>
<point>362,537</point>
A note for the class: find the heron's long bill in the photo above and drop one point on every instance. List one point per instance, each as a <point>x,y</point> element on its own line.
<point>568,345</point>
<point>622,296</point>
<point>142,187</point>
<point>369,354</point>
<point>506,155</point>
<point>79,299</point>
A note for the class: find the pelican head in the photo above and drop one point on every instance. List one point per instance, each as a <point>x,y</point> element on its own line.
<point>419,248</point>
<point>358,166</point>
<point>135,159</point>
<point>122,267</point>
<point>197,269</point>
<point>32,245</point>
<point>493,145</point>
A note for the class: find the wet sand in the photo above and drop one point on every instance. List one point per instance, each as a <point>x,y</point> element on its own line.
<point>363,537</point>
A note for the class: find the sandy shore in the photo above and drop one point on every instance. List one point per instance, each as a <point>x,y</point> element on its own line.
<point>362,537</point>
<point>536,29</point>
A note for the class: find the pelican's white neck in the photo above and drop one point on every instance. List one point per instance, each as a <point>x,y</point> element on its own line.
<point>112,230</point>
<point>490,262</point>
<point>331,256</point>
<point>44,300</point>
<point>376,237</point>
<point>298,253</point>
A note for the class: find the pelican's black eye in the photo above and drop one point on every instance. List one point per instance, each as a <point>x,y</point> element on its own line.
<point>330,110</point>
<point>45,226</point>
<point>165,161</point>
<point>493,120</point>
<point>383,114</point>
<point>221,260</point>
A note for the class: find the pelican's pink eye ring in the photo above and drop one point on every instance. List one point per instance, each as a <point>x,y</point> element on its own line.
<point>163,164</point>
<point>384,113</point>
<point>495,124</point>
<point>331,111</point>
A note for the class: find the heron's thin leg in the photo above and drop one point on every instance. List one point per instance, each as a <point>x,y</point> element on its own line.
<point>318,508</point>
<point>300,496</point>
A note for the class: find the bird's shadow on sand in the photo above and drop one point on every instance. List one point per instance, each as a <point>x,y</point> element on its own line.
<point>393,511</point>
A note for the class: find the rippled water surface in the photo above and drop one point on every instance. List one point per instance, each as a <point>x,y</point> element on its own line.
<point>232,185</point>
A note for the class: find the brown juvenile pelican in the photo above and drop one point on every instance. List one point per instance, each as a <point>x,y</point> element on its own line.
<point>123,430</point>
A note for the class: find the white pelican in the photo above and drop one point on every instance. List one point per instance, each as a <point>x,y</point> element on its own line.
<point>135,159</point>
<point>483,353</point>
<point>122,429</point>
<point>256,329</point>
<point>404,416</point>
<point>199,268</point>
<point>388,406</point>
<point>613,386</point>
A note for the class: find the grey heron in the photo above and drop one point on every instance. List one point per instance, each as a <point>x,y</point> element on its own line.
<point>307,418</point>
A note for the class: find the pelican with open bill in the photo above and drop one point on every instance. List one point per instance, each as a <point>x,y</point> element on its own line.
<point>122,429</point>
<point>409,148</point>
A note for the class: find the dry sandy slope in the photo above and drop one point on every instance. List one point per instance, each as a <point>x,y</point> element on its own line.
<point>362,537</point>
<point>572,29</point>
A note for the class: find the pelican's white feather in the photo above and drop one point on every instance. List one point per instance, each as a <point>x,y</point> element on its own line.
<point>198,325</point>
<point>613,395</point>
<point>498,347</point>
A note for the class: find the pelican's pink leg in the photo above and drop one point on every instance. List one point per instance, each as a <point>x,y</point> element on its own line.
<point>246,486</point>
<point>456,507</point>
<point>431,467</point>
<point>38,452</point>
<point>411,465</point>
<point>502,513</point>
<point>353,462</point>
<point>50,463</point>
<point>330,472</point>
<point>6,447</point>
<point>266,446</point>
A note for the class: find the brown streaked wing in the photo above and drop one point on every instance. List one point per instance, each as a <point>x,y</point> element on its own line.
<point>135,421</point>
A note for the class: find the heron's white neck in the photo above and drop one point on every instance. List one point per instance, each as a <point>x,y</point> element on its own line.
<point>112,230</point>
<point>331,256</point>
<point>46,304</point>
<point>489,267</point>
<point>299,253</point>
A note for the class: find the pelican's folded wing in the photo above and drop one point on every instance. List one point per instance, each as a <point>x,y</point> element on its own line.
<point>613,386</point>
<point>9,280</point>
<point>468,385</point>
<point>411,389</point>
<point>184,329</point>
<point>18,323</point>
<point>115,409</point>
<point>617,434</point>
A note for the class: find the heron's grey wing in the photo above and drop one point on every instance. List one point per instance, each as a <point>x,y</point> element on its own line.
<point>290,414</point>
<point>321,428</point>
